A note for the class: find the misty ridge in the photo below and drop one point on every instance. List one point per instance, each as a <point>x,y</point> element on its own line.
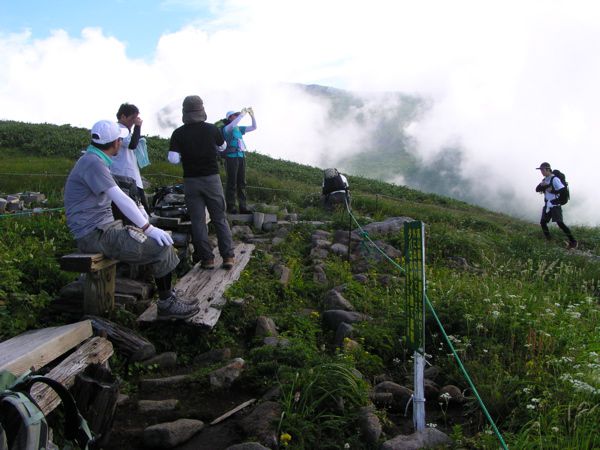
<point>387,150</point>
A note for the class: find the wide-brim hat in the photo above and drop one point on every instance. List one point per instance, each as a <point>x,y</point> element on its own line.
<point>544,165</point>
<point>193,109</point>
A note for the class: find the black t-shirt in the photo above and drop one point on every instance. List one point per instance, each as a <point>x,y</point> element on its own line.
<point>197,144</point>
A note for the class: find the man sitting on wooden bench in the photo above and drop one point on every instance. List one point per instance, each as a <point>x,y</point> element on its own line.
<point>89,190</point>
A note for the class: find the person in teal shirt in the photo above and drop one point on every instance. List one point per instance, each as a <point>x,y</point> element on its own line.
<point>235,159</point>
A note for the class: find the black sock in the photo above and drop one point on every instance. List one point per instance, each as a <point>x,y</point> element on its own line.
<point>163,285</point>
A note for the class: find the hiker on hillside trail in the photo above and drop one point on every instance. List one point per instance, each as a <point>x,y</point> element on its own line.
<point>235,159</point>
<point>550,186</point>
<point>335,189</point>
<point>195,145</point>
<point>89,191</point>
<point>125,163</point>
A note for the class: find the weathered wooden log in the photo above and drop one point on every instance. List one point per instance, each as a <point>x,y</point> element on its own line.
<point>127,342</point>
<point>139,289</point>
<point>94,350</point>
<point>96,391</point>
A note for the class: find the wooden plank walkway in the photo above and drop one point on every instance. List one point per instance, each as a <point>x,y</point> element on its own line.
<point>207,287</point>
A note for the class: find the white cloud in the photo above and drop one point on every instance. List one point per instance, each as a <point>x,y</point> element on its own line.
<point>515,83</point>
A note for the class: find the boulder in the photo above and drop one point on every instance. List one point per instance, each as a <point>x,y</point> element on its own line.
<point>171,434</point>
<point>428,438</point>
<point>225,376</point>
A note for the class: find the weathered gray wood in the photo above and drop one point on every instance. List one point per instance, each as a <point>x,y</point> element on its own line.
<point>36,348</point>
<point>232,412</point>
<point>136,288</point>
<point>85,262</point>
<point>96,391</point>
<point>94,350</point>
<point>207,287</point>
<point>99,291</point>
<point>247,218</point>
<point>127,342</point>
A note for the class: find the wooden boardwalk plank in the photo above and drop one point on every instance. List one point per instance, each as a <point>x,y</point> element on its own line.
<point>95,350</point>
<point>36,348</point>
<point>207,287</point>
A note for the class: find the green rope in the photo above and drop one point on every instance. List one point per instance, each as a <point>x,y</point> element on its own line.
<point>364,234</point>
<point>466,374</point>
<point>29,213</point>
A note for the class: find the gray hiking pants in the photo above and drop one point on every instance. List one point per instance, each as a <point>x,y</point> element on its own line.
<point>207,192</point>
<point>114,241</point>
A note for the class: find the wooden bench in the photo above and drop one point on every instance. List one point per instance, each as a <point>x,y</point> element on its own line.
<point>99,280</point>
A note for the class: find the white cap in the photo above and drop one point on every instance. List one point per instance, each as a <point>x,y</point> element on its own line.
<point>229,113</point>
<point>106,131</point>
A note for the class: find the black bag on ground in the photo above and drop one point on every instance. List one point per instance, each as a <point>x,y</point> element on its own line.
<point>563,194</point>
<point>23,425</point>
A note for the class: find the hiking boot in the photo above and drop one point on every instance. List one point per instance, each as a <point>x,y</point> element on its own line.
<point>572,245</point>
<point>228,262</point>
<point>207,264</point>
<point>174,308</point>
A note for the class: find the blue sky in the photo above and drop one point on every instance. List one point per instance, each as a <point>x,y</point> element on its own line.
<point>138,23</point>
<point>512,82</point>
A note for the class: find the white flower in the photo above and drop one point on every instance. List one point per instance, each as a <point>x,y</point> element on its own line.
<point>555,429</point>
<point>432,425</point>
<point>495,314</point>
<point>530,406</point>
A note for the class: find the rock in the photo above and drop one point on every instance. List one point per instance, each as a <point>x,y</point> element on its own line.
<point>265,326</point>
<point>339,249</point>
<point>171,434</point>
<point>386,280</point>
<point>321,243</point>
<point>401,394</point>
<point>341,237</point>
<point>277,240</point>
<point>428,438</point>
<point>258,219</point>
<point>360,277</point>
<point>319,275</point>
<point>451,394</point>
<point>268,226</point>
<point>242,231</point>
<point>283,273</point>
<point>248,446</point>
<point>318,253</point>
<point>122,399</point>
<point>370,426</point>
<point>382,399</point>
<point>272,394</point>
<point>389,225</point>
<point>225,376</point>
<point>431,372</point>
<point>335,300</point>
<point>382,377</point>
<point>164,360</point>
<point>350,345</point>
<point>213,356</point>
<point>282,232</point>
<point>432,390</point>
<point>3,203</point>
<point>320,234</point>
<point>157,406</point>
<point>152,383</point>
<point>333,317</point>
<point>344,330</point>
<point>262,423</point>
<point>292,217</point>
<point>276,341</point>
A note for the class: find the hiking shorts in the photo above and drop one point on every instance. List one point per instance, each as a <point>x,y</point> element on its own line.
<point>554,215</point>
<point>114,241</point>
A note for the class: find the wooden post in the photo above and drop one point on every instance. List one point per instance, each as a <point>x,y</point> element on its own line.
<point>99,291</point>
<point>96,391</point>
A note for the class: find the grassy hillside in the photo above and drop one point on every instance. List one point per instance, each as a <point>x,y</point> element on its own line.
<point>522,313</point>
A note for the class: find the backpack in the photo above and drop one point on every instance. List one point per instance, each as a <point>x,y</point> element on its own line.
<point>332,181</point>
<point>23,425</point>
<point>563,194</point>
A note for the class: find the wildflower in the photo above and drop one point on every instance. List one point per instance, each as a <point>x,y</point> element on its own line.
<point>432,425</point>
<point>526,390</point>
<point>346,445</point>
<point>555,429</point>
<point>314,314</point>
<point>530,406</point>
<point>396,361</point>
<point>485,350</point>
<point>445,396</point>
<point>297,397</point>
<point>557,305</point>
<point>495,314</point>
<point>285,438</point>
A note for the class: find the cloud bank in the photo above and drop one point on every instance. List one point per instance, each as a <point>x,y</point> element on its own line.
<point>510,83</point>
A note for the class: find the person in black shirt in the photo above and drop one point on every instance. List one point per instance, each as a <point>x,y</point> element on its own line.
<point>195,145</point>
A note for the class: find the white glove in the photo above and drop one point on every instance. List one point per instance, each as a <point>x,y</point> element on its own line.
<point>159,235</point>
<point>143,211</point>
